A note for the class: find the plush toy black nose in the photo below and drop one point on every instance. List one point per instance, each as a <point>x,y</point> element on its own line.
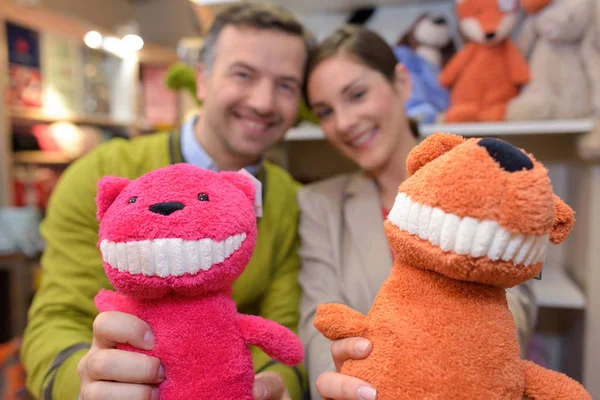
<point>166,208</point>
<point>508,156</point>
<point>439,20</point>
<point>490,35</point>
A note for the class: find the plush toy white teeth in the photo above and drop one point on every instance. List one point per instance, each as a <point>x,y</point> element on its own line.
<point>467,235</point>
<point>168,257</point>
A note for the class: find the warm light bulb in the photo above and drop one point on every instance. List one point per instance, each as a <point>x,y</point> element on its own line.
<point>93,39</point>
<point>133,42</point>
<point>113,45</point>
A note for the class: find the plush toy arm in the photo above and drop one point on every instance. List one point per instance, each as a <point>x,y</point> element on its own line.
<point>337,321</point>
<point>527,37</point>
<point>518,67</point>
<point>545,384</point>
<point>108,300</point>
<point>456,65</point>
<point>274,339</point>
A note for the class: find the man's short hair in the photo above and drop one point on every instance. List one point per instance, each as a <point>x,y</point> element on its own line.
<point>253,14</point>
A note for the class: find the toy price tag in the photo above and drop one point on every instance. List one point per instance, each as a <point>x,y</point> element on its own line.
<point>258,194</point>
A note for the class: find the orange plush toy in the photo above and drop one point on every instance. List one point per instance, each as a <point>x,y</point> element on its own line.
<point>474,218</point>
<point>489,70</point>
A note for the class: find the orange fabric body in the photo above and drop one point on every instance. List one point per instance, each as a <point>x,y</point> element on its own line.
<point>483,88</point>
<point>423,322</point>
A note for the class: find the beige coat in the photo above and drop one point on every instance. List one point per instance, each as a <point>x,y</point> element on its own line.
<point>346,258</point>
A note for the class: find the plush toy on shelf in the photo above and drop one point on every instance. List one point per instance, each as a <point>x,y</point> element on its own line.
<point>474,217</point>
<point>427,97</point>
<point>560,87</point>
<point>429,37</point>
<point>591,57</point>
<point>423,49</point>
<point>173,241</point>
<point>489,70</point>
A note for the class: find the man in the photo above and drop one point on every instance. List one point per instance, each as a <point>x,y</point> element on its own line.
<point>250,82</point>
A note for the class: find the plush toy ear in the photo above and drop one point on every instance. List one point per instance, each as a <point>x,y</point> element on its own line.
<point>431,148</point>
<point>242,182</point>
<point>564,219</point>
<point>109,188</point>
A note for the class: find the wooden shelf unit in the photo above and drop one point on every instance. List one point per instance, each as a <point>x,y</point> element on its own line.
<point>49,22</point>
<point>41,158</point>
<point>34,115</point>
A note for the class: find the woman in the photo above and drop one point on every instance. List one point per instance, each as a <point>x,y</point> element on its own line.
<point>357,89</point>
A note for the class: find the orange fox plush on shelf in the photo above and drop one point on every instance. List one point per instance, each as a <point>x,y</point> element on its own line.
<point>489,70</point>
<point>473,218</point>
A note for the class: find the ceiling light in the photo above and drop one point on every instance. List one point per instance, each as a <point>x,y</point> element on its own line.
<point>133,42</point>
<point>113,45</point>
<point>93,39</point>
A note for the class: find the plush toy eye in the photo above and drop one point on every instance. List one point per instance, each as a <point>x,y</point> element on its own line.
<point>202,197</point>
<point>132,199</point>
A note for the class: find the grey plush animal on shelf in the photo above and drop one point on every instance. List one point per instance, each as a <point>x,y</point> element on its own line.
<point>430,37</point>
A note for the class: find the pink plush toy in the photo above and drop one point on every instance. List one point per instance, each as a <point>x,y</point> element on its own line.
<point>173,241</point>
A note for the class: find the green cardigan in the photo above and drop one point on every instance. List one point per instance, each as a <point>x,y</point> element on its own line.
<point>59,331</point>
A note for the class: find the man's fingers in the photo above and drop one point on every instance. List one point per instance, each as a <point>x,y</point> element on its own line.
<point>118,391</point>
<point>114,327</point>
<point>351,348</point>
<point>268,386</point>
<point>333,385</point>
<point>123,366</point>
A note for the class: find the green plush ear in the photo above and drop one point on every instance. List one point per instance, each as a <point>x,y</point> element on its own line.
<point>304,114</point>
<point>182,76</point>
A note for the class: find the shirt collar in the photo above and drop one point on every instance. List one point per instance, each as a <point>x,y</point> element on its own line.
<point>193,153</point>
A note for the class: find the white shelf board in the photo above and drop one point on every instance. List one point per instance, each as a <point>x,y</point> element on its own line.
<point>512,128</point>
<point>307,131</point>
<point>557,290</point>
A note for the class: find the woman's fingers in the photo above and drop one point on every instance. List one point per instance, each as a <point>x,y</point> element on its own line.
<point>336,386</point>
<point>350,348</point>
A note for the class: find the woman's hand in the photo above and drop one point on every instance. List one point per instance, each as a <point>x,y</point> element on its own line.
<point>269,385</point>
<point>336,386</point>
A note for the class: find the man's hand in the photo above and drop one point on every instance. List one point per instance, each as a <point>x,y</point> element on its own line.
<point>108,373</point>
<point>336,386</point>
<point>269,385</point>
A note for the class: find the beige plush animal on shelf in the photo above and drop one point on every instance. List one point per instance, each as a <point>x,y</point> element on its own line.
<point>591,57</point>
<point>552,40</point>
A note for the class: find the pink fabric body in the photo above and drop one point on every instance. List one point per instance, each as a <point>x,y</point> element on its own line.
<point>198,342</point>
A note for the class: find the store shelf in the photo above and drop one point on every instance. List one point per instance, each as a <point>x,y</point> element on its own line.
<point>41,157</point>
<point>557,290</point>
<point>512,128</point>
<point>308,131</point>
<point>39,116</point>
<point>305,131</point>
